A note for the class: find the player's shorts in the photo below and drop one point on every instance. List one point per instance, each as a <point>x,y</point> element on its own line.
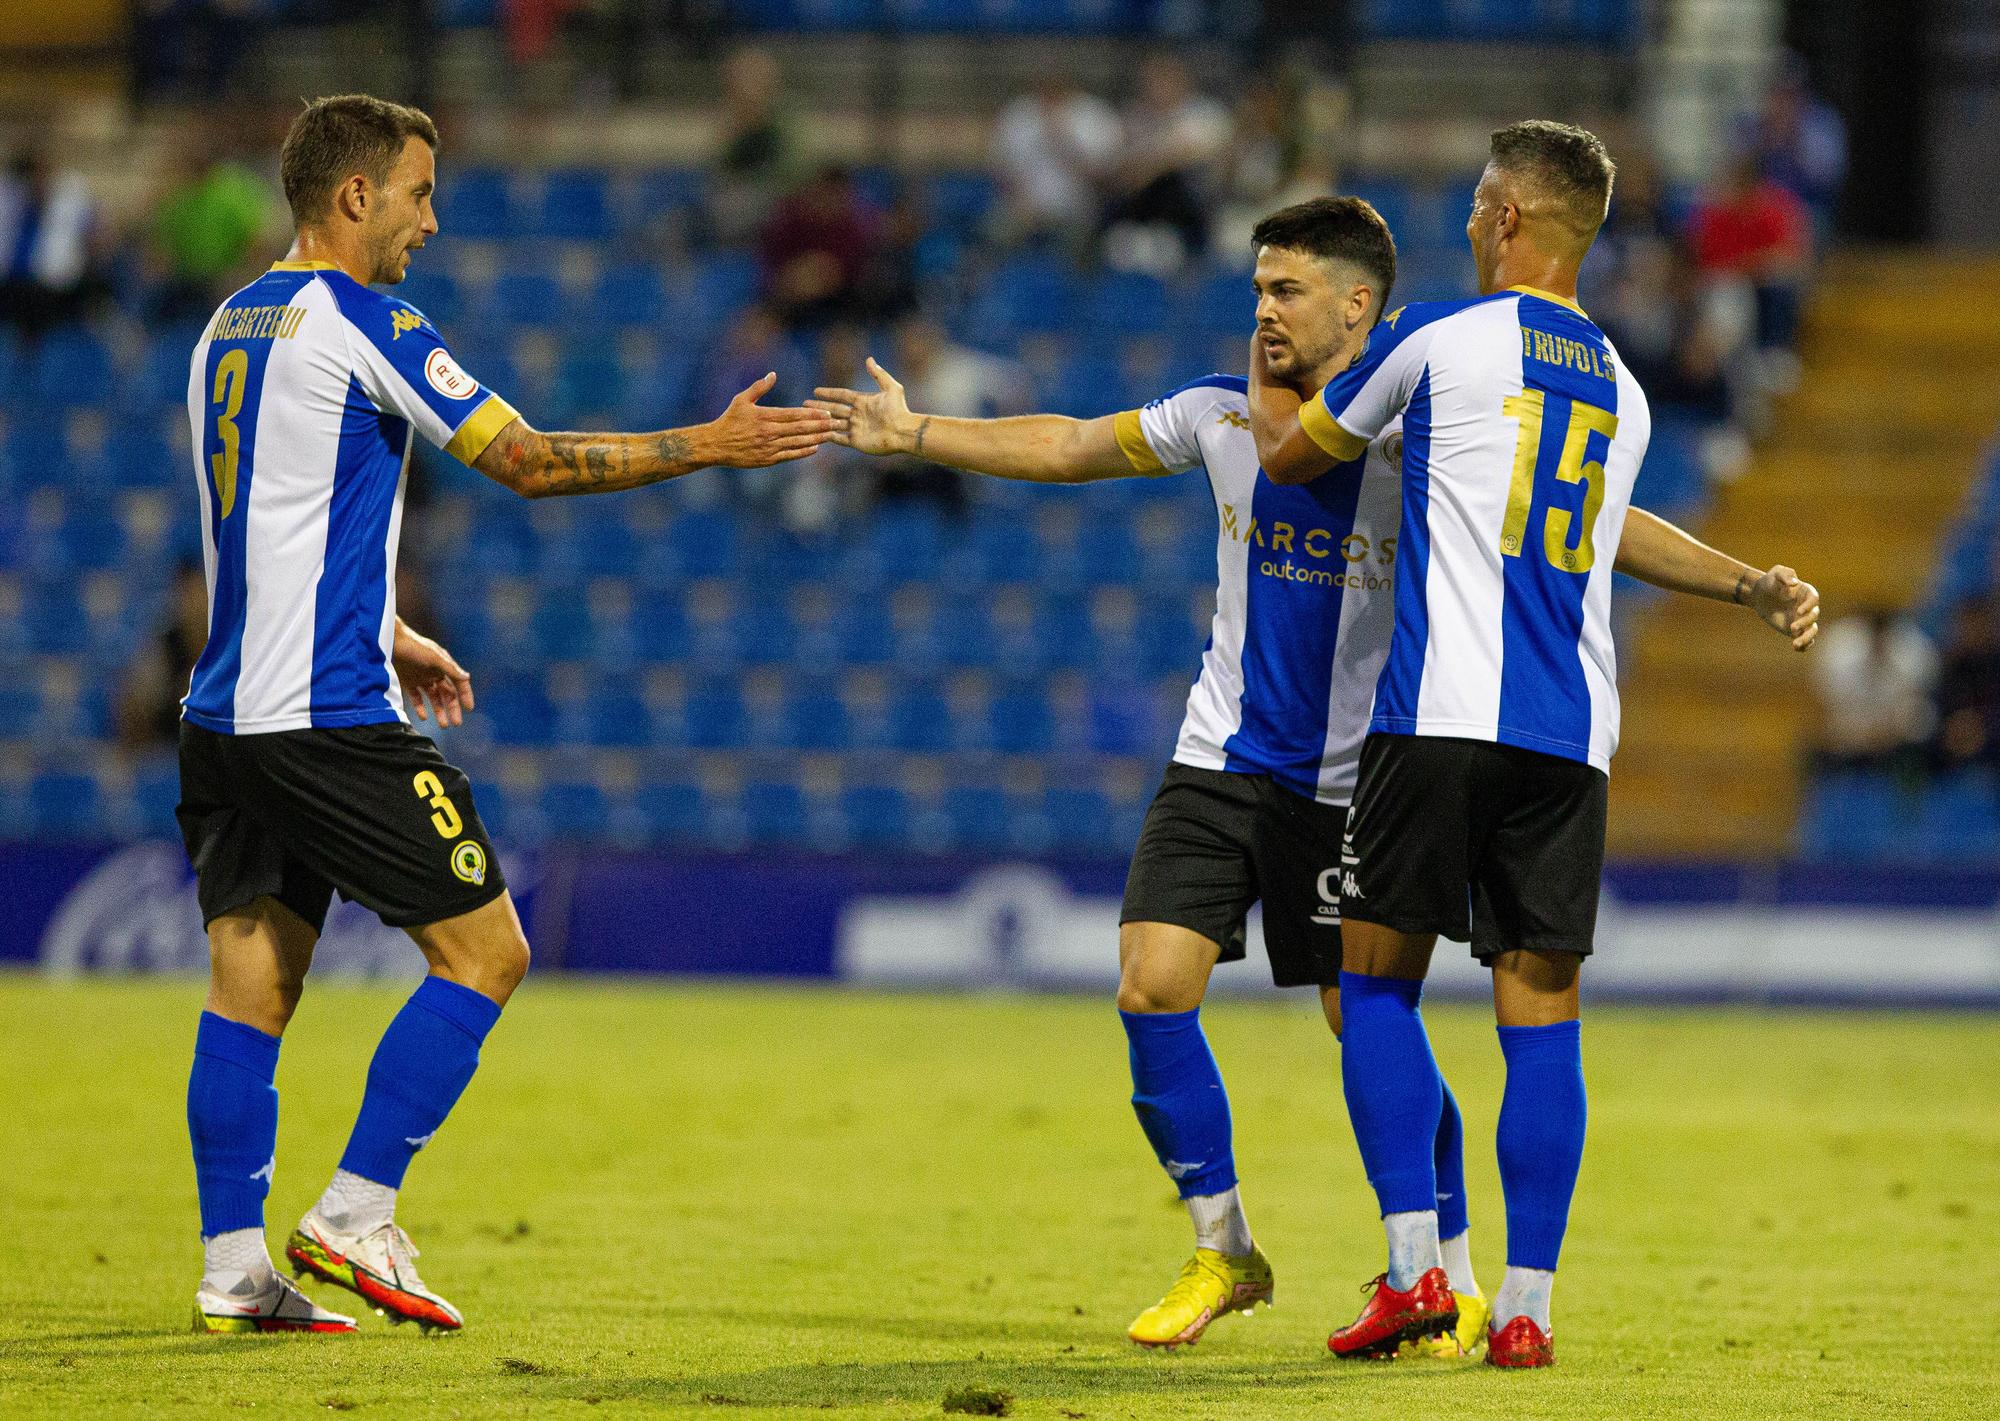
<point>1215,842</point>
<point>373,812</point>
<point>1478,842</point>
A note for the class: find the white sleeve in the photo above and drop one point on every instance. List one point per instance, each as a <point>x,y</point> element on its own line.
<point>1162,438</point>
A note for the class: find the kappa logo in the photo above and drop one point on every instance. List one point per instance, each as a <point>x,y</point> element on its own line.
<point>468,861</point>
<point>1349,888</point>
<point>1234,419</point>
<point>447,378</point>
<point>269,1173</point>
<point>417,1142</point>
<point>1177,1170</point>
<point>404,320</point>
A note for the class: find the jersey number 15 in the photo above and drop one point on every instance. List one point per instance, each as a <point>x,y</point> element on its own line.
<point>1584,421</point>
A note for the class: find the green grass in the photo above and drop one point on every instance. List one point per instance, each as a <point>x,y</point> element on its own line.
<point>741,1202</point>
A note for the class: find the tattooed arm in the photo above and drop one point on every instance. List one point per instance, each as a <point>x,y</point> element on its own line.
<point>747,435</point>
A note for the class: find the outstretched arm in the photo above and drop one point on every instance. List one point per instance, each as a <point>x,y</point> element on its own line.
<point>745,436</point>
<point>1038,448</point>
<point>1654,550</point>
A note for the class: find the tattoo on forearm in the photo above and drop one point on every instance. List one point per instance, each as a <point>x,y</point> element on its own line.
<point>1746,582</point>
<point>921,430</point>
<point>673,448</point>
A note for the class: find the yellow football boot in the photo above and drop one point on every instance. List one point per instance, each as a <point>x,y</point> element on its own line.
<point>1210,1285</point>
<point>1463,1341</point>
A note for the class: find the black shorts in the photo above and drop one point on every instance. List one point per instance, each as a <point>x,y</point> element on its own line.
<point>1478,842</point>
<point>1215,842</point>
<point>371,811</point>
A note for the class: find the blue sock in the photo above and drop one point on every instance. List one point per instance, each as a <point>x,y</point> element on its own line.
<point>1177,1094</point>
<point>1540,1137</point>
<point>426,1058</point>
<point>232,1109</point>
<point>1448,1158</point>
<point>1394,1092</point>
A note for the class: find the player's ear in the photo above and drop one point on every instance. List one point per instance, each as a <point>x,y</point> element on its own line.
<point>350,199</point>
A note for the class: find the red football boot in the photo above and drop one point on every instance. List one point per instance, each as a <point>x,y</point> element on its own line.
<point>1391,1318</point>
<point>1520,1344</point>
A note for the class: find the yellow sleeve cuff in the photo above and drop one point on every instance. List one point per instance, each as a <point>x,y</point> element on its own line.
<point>480,429</point>
<point>1323,430</point>
<point>1132,439</point>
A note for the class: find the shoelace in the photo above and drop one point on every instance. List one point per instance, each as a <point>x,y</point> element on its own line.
<point>402,1256</point>
<point>1373,1283</point>
<point>1192,1274</point>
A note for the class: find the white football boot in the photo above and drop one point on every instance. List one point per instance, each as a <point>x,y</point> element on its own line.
<point>276,1307</point>
<point>379,1265</point>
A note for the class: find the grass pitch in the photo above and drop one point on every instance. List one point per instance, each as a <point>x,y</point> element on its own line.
<point>736,1202</point>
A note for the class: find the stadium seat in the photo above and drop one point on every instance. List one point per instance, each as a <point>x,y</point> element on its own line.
<point>1020,721</point>
<point>575,810</point>
<point>774,812</point>
<point>714,717</point>
<point>574,205</point>
<point>436,293</point>
<point>1080,820</point>
<point>517,711</point>
<point>73,367</point>
<point>672,811</point>
<point>1121,303</point>
<point>66,805</point>
<point>475,204</point>
<point>877,816</point>
<point>1029,293</point>
<point>920,719</point>
<point>632,294</point>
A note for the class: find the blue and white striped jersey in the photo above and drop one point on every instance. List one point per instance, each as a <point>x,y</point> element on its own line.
<point>1522,434</point>
<point>303,394</point>
<point>1303,601</point>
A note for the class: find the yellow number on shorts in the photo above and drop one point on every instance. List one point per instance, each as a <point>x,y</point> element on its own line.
<point>445,818</point>
<point>232,372</point>
<point>1584,421</point>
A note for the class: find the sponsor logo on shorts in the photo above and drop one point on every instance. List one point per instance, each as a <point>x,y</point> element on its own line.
<point>468,861</point>
<point>1328,910</point>
<point>447,378</point>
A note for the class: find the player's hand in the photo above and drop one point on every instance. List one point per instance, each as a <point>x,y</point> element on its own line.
<point>873,423</point>
<point>1788,604</point>
<point>430,674</point>
<point>748,435</point>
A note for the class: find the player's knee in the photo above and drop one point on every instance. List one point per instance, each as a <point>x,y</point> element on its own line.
<point>505,964</point>
<point>1142,995</point>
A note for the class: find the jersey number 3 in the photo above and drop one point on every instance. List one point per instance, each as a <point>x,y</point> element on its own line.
<point>1584,421</point>
<point>232,372</point>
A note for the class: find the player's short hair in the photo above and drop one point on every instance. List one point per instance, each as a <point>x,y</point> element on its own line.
<point>1567,165</point>
<point>339,136</point>
<point>1347,229</point>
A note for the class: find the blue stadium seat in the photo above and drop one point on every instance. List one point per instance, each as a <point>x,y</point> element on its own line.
<point>714,717</point>
<point>961,202</point>
<point>55,620</point>
<point>574,205</point>
<point>73,367</point>
<point>864,632</point>
<point>660,191</point>
<point>156,789</point>
<point>525,296</point>
<point>774,812</point>
<point>630,294</point>
<point>660,631</point>
<point>1028,293</point>
<point>436,293</point>
<point>66,805</point>
<point>517,711</point>
<point>1126,303</point>
<point>672,811</point>
<point>719,286</point>
<point>575,810</point>
<point>979,816</point>
<point>1089,384</point>
<point>1080,819</point>
<point>475,203</point>
<point>878,816</point>
<point>1021,723</point>
<point>139,456</point>
<point>920,718</point>
<point>816,719</point>
<point>589,387</point>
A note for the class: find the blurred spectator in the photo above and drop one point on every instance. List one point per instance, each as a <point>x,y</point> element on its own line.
<point>1750,230</point>
<point>946,379</point>
<point>1799,143</point>
<point>758,160</point>
<point>1269,164</point>
<point>49,244</point>
<point>1968,687</point>
<point>1874,672</point>
<point>1158,216</point>
<point>1684,340</point>
<point>1052,150</point>
<point>149,701</point>
<point>214,222</point>
<point>816,249</point>
<point>887,290</point>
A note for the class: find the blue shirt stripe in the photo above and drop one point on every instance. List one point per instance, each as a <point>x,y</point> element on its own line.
<point>1292,624</point>
<point>350,685</point>
<point>1398,689</point>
